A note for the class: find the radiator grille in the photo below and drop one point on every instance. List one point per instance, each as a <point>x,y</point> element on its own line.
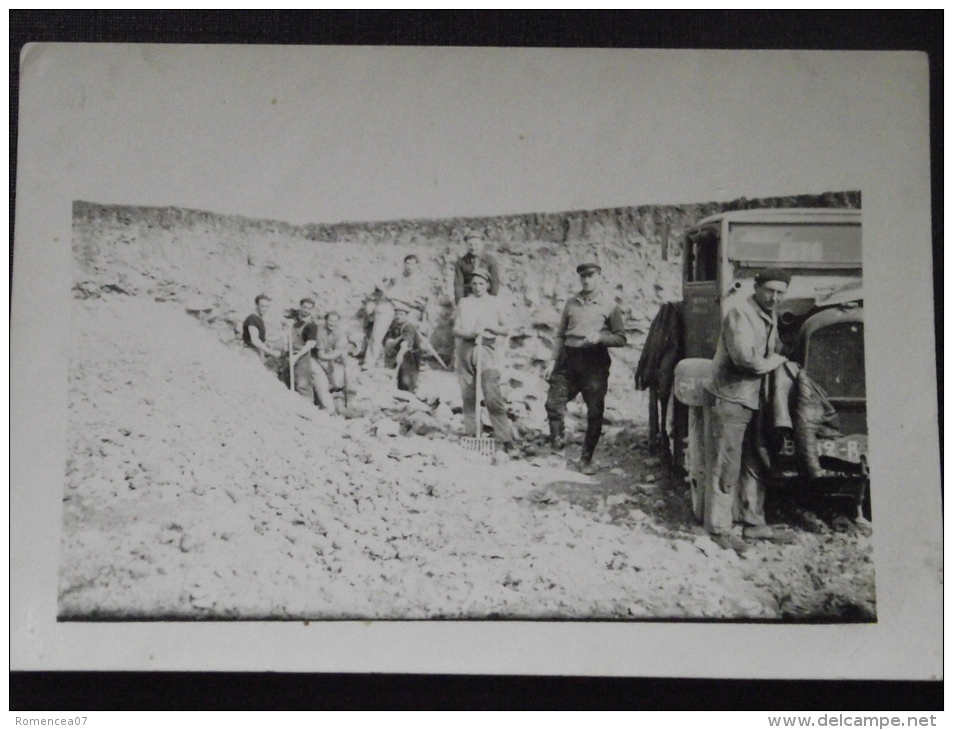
<point>835,359</point>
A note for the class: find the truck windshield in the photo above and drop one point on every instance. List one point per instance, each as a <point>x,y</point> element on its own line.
<point>823,243</point>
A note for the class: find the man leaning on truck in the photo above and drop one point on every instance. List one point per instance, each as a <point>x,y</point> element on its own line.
<point>745,354</point>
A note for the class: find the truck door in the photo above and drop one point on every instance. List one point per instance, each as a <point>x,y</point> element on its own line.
<point>700,291</point>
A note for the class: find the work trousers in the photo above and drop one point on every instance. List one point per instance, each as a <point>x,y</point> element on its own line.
<point>303,379</point>
<point>490,385</point>
<point>735,485</point>
<point>321,385</point>
<point>579,370</point>
<point>408,372</point>
<point>383,319</point>
<point>334,372</point>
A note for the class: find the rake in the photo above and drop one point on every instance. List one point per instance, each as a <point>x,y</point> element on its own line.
<point>477,448</point>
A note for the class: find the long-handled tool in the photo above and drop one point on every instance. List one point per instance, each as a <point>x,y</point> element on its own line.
<point>478,448</point>
<point>427,346</point>
<point>291,362</point>
<point>344,368</point>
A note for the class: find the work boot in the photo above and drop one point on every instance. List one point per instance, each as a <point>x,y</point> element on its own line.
<point>758,532</point>
<point>729,542</point>
<point>766,532</point>
<point>511,450</point>
<point>587,467</point>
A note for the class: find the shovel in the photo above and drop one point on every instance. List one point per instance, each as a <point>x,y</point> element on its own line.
<point>477,448</point>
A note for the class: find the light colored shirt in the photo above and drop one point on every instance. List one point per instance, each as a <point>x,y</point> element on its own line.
<point>586,314</point>
<point>411,290</point>
<point>475,314</point>
<point>745,354</point>
<point>329,346</point>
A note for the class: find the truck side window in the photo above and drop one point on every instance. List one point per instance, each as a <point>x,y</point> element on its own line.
<point>703,250</point>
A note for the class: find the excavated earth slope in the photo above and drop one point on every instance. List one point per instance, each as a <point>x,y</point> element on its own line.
<point>198,487</point>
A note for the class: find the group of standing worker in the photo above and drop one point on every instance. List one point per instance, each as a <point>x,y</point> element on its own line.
<point>590,324</point>
<point>396,314</point>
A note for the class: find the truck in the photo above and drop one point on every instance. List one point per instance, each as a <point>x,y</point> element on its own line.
<point>821,326</point>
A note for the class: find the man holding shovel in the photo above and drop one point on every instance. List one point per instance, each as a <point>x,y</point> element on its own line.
<point>329,366</point>
<point>478,322</point>
<point>301,339</point>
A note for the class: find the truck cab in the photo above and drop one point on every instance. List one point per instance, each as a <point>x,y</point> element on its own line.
<point>820,322</point>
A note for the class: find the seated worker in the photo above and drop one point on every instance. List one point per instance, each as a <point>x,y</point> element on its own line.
<point>478,322</point>
<point>328,360</point>
<point>411,289</point>
<point>304,334</point>
<point>403,346</point>
<point>474,258</point>
<point>253,329</point>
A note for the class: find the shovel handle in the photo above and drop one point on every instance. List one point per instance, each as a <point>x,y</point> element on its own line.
<point>478,386</point>
<point>291,363</point>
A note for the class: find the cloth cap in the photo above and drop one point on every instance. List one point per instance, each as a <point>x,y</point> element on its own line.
<point>471,233</point>
<point>401,307</point>
<point>585,268</point>
<point>482,273</point>
<point>766,275</point>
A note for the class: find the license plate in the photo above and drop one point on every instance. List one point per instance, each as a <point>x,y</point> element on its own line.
<point>847,448</point>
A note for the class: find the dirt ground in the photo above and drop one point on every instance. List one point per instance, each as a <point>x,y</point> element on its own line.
<point>199,487</point>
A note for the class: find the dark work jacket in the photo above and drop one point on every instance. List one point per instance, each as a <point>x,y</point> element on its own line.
<point>463,272</point>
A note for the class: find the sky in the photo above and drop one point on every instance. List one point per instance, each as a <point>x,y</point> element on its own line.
<point>330,134</point>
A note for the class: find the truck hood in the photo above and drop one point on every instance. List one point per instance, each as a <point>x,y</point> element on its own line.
<point>852,292</point>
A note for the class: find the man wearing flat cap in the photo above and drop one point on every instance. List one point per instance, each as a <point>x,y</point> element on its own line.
<point>403,348</point>
<point>474,258</point>
<point>745,354</point>
<point>591,323</point>
<point>478,322</point>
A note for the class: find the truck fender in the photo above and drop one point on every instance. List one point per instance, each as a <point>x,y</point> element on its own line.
<point>692,375</point>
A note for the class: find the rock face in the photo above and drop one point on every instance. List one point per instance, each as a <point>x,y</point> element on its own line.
<point>218,264</point>
<point>181,255</point>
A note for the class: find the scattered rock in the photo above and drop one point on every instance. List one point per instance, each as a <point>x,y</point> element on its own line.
<point>422,423</point>
<point>387,428</point>
<point>841,524</point>
<point>706,545</point>
<point>443,414</point>
<point>751,606</point>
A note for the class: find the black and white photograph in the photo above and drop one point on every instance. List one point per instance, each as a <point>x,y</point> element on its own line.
<point>280,422</point>
<point>498,339</point>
